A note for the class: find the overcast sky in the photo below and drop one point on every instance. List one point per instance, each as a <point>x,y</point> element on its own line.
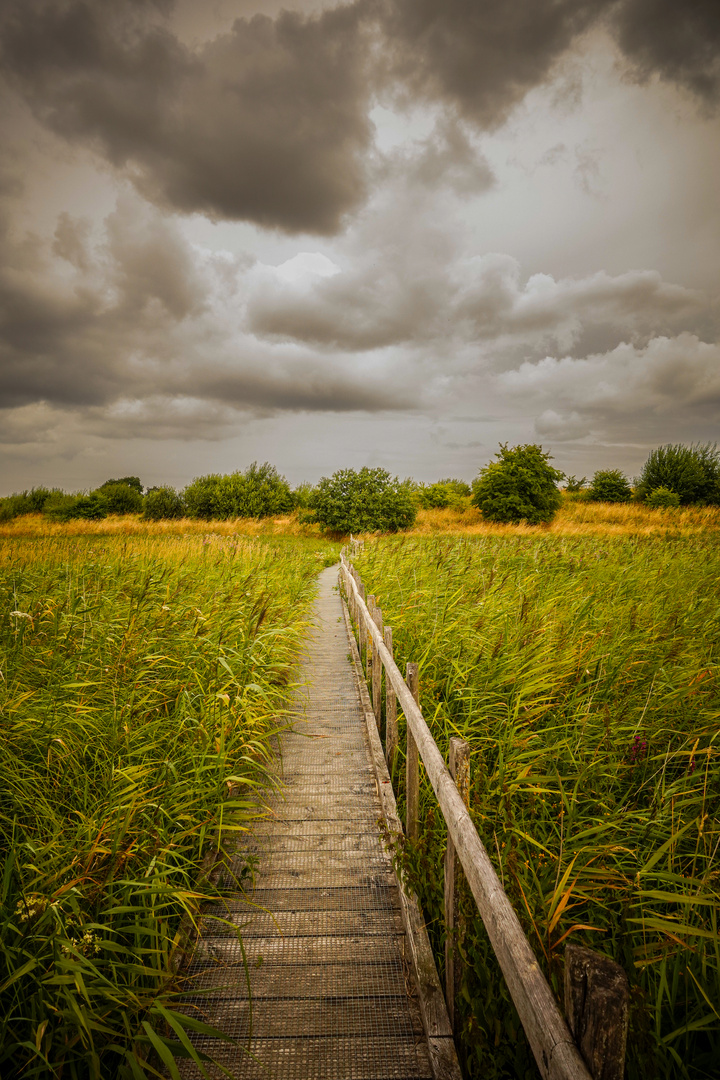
<point>387,232</point>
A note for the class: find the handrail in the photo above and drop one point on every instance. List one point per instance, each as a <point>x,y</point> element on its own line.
<point>555,1051</point>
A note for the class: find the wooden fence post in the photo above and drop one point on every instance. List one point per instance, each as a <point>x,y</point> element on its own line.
<point>391,736</point>
<point>377,670</point>
<point>596,1006</point>
<point>412,763</point>
<point>459,766</point>
<point>370,646</point>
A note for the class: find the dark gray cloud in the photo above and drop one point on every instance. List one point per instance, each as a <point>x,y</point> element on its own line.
<point>266,123</point>
<point>481,57</point>
<point>141,315</point>
<point>269,121</point>
<point>679,40</point>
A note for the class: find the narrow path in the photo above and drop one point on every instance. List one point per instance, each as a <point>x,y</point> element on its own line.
<point>332,992</point>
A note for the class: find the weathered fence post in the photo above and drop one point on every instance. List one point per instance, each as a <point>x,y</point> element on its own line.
<point>391,736</point>
<point>459,766</point>
<point>596,1006</point>
<point>412,764</point>
<point>377,670</point>
<point>370,651</point>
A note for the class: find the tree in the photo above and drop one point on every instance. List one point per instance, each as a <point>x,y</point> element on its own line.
<point>259,491</point>
<point>366,501</point>
<point>609,486</point>
<point>520,486</point>
<point>573,485</point>
<point>121,498</point>
<point>162,504</point>
<point>692,472</point>
<point>130,481</point>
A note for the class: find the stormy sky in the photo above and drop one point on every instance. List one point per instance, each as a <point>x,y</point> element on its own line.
<point>327,234</point>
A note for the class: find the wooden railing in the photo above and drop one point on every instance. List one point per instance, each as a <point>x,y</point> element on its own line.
<point>595,987</point>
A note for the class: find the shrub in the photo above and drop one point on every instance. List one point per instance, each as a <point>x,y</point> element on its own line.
<point>129,481</point>
<point>163,504</point>
<point>573,485</point>
<point>442,494</point>
<point>62,507</point>
<point>258,492</point>
<point>693,472</point>
<point>120,498</point>
<point>25,502</point>
<point>610,486</point>
<point>366,501</point>
<point>520,486</point>
<point>661,498</point>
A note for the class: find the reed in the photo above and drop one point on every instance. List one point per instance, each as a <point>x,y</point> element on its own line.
<point>142,682</point>
<point>584,673</point>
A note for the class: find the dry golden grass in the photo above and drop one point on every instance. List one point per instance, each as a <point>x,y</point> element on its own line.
<point>32,525</point>
<point>575,518</point>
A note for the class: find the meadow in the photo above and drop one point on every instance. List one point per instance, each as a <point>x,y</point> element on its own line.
<point>582,664</point>
<point>144,674</point>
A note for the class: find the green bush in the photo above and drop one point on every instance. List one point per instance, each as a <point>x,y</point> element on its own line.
<point>693,472</point>
<point>129,481</point>
<point>120,498</point>
<point>366,501</point>
<point>573,485</point>
<point>661,498</point>
<point>520,486</point>
<point>62,507</point>
<point>610,486</point>
<point>24,502</point>
<point>163,504</point>
<point>258,492</point>
<point>442,494</point>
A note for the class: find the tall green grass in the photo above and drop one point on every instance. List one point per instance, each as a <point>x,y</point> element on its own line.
<point>141,683</point>
<point>584,673</point>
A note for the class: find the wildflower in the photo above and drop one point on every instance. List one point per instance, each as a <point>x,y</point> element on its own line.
<point>31,907</point>
<point>21,615</point>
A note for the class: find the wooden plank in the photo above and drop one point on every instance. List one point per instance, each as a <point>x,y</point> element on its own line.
<point>555,1052</point>
<point>597,995</point>
<point>459,765</point>
<point>412,762</point>
<point>391,732</point>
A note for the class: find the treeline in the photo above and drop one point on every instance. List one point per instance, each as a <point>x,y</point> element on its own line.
<point>520,485</point>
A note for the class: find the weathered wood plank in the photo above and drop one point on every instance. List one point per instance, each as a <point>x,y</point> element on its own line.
<point>597,995</point>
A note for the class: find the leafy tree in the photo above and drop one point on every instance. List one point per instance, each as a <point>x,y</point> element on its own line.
<point>131,482</point>
<point>693,472</point>
<point>366,501</point>
<point>301,495</point>
<point>25,502</point>
<point>520,486</point>
<point>573,485</point>
<point>257,492</point>
<point>120,498</point>
<point>662,498</point>
<point>163,503</point>
<point>610,486</point>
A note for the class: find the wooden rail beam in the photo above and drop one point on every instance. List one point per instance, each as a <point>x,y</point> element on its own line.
<point>556,1054</point>
<point>412,763</point>
<point>391,733</point>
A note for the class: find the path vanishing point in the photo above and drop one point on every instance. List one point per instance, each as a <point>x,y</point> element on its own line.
<point>333,996</point>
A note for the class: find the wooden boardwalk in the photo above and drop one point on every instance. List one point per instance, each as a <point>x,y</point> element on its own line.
<point>332,991</point>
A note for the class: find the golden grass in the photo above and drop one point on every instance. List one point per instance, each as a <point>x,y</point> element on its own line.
<point>32,525</point>
<point>575,518</point>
